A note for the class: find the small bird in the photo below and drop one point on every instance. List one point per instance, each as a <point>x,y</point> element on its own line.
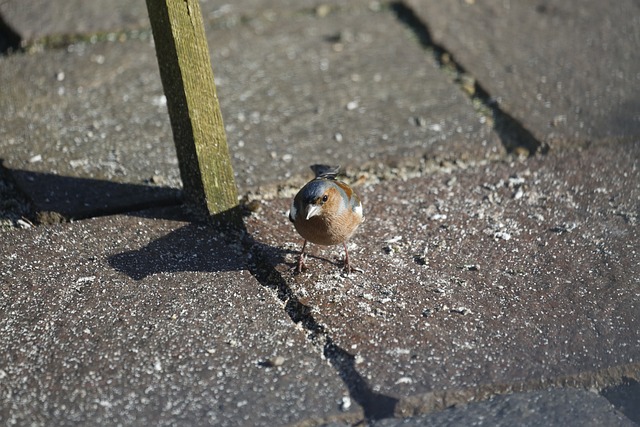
<point>326,212</point>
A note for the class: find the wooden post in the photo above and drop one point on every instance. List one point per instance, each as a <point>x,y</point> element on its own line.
<point>194,111</point>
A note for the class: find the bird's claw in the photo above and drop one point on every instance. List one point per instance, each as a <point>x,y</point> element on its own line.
<point>348,269</point>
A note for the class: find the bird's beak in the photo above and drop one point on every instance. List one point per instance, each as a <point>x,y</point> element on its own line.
<point>313,210</point>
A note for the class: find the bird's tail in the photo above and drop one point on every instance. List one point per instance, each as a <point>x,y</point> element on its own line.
<point>325,171</point>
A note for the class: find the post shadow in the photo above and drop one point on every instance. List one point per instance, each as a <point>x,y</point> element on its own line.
<point>81,198</point>
<point>10,40</point>
<point>215,244</point>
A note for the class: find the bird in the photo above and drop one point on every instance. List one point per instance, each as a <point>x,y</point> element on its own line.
<point>326,212</point>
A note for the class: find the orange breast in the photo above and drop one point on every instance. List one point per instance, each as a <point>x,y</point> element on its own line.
<point>328,229</point>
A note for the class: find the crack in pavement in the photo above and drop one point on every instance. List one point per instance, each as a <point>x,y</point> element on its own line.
<point>375,405</point>
<point>515,138</point>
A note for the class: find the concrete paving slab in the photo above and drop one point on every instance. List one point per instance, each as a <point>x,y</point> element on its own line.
<point>37,19</point>
<point>483,279</point>
<point>566,71</point>
<point>138,320</point>
<point>486,280</point>
<point>351,88</point>
<point>94,112</point>
<point>571,408</point>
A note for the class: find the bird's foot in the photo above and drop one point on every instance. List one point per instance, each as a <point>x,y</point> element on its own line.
<point>301,265</point>
<point>348,269</point>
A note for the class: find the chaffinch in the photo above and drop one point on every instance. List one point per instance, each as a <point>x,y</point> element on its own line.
<point>326,212</point>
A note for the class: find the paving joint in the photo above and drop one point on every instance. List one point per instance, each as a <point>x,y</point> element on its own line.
<point>607,382</point>
<point>372,173</point>
<point>496,276</point>
<point>365,174</point>
<point>376,406</point>
<point>603,382</point>
<point>515,137</point>
<point>12,43</point>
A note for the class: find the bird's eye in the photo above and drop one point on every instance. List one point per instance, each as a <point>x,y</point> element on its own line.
<point>325,198</point>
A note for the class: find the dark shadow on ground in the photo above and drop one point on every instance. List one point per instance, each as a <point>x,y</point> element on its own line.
<point>80,198</point>
<point>200,246</point>
<point>10,40</point>
<point>194,247</point>
<point>625,397</point>
<point>14,205</point>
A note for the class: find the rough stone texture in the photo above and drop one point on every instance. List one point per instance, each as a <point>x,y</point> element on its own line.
<point>482,277</point>
<point>88,111</point>
<point>498,277</point>
<point>34,19</point>
<point>567,71</point>
<point>149,321</point>
<point>561,408</point>
<point>350,88</point>
<point>82,120</point>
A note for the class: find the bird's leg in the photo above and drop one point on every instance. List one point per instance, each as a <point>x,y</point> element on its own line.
<point>301,265</point>
<point>347,266</point>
